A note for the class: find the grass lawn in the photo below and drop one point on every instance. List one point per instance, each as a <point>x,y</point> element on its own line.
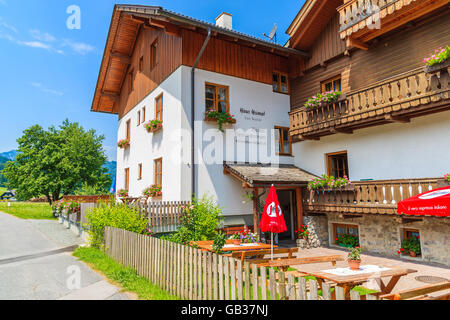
<point>28,210</point>
<point>127,278</point>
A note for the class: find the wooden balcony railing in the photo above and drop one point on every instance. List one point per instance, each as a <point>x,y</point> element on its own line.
<point>396,99</point>
<point>376,197</point>
<point>361,18</point>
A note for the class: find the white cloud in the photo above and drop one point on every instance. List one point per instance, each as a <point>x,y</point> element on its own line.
<point>35,44</point>
<point>78,47</point>
<point>7,26</point>
<point>47,90</point>
<point>42,36</point>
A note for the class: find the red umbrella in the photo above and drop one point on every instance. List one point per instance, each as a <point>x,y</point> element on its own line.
<point>272,219</point>
<point>431,203</point>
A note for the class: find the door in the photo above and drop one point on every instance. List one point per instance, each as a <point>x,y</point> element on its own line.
<point>286,199</point>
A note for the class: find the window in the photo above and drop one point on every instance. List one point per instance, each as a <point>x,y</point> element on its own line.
<point>280,82</point>
<point>143,114</point>
<point>127,179</point>
<point>139,118</point>
<point>128,133</point>
<point>409,233</point>
<point>130,82</point>
<point>337,164</point>
<point>141,64</point>
<point>159,107</point>
<point>333,84</point>
<point>217,98</point>
<point>153,54</point>
<point>344,230</point>
<point>158,172</point>
<point>283,140</point>
<point>140,171</point>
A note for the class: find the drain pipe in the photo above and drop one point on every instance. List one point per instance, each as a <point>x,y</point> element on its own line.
<point>208,37</point>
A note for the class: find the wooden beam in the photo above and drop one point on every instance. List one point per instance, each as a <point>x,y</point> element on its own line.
<point>350,42</point>
<point>302,137</point>
<point>411,220</point>
<point>168,27</point>
<point>255,211</point>
<point>392,118</point>
<point>299,204</point>
<point>340,130</point>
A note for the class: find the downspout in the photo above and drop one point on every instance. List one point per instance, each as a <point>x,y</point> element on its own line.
<point>208,37</point>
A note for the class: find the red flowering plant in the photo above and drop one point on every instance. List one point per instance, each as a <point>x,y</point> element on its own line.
<point>248,237</point>
<point>440,55</point>
<point>153,125</point>
<point>122,193</point>
<point>152,191</point>
<point>124,143</point>
<point>220,117</point>
<point>347,240</point>
<point>302,232</point>
<point>447,177</point>
<point>73,207</point>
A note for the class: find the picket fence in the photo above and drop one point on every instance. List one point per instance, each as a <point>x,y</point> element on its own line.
<point>193,274</point>
<point>163,216</point>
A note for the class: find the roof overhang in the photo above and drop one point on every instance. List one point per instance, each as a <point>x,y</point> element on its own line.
<point>310,21</point>
<point>124,29</point>
<point>264,175</point>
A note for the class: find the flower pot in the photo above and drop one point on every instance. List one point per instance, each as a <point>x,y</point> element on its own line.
<point>437,67</point>
<point>354,264</point>
<point>412,254</point>
<point>236,242</point>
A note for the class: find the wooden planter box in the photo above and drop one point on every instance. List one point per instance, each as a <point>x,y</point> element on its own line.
<point>154,130</point>
<point>443,183</point>
<point>437,67</point>
<point>347,188</point>
<point>126,146</point>
<point>215,120</point>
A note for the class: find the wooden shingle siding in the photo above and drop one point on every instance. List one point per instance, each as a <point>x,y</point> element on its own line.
<point>399,52</point>
<point>232,59</point>
<point>169,59</point>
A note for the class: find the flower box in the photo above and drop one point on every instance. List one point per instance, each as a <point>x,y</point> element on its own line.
<point>123,144</point>
<point>154,130</point>
<point>207,119</point>
<point>437,67</point>
<point>154,126</point>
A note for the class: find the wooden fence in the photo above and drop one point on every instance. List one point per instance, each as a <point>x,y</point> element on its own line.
<point>193,274</point>
<point>163,216</point>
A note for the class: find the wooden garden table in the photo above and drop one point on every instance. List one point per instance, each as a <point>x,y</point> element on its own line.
<point>351,281</point>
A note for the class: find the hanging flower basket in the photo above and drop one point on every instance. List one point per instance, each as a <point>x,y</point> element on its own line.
<point>154,126</point>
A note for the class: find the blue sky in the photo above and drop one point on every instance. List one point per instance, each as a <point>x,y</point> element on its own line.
<point>49,72</point>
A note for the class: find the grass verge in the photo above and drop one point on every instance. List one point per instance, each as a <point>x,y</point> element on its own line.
<point>28,210</point>
<point>127,278</point>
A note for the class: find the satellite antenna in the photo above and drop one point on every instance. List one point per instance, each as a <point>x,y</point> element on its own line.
<point>273,34</point>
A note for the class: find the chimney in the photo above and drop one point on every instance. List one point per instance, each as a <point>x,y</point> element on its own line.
<point>225,20</point>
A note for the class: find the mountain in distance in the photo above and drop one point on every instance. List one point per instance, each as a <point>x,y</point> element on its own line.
<point>111,166</point>
<point>10,155</point>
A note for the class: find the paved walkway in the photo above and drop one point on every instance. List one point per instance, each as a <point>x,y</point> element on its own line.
<point>405,283</point>
<point>36,264</point>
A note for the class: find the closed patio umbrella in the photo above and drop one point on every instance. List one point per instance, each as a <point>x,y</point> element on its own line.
<point>272,219</point>
<point>431,203</point>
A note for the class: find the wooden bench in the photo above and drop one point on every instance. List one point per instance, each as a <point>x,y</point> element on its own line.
<point>284,264</point>
<point>257,256</point>
<point>421,293</point>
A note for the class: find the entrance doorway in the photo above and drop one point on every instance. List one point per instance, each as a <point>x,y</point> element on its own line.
<point>288,206</point>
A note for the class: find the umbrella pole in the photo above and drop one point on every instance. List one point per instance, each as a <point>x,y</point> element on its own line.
<point>271,246</point>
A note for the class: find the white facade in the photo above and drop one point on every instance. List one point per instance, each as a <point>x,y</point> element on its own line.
<point>420,149</point>
<point>173,142</point>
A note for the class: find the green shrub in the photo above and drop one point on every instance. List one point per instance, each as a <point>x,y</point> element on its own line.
<point>113,215</point>
<point>199,222</point>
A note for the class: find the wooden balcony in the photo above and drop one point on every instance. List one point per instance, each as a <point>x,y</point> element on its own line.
<point>371,197</point>
<point>397,99</point>
<point>363,20</point>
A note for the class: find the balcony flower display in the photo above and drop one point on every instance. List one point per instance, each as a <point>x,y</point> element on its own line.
<point>221,117</point>
<point>153,125</point>
<point>124,143</point>
<point>447,177</point>
<point>328,182</point>
<point>152,191</point>
<point>322,98</point>
<point>440,55</point>
<point>122,193</point>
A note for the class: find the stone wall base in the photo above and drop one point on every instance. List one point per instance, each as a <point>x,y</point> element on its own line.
<point>74,227</point>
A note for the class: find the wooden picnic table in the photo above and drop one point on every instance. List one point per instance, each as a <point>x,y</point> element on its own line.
<point>207,245</point>
<point>351,281</point>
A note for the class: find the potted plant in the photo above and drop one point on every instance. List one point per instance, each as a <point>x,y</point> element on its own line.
<point>153,191</point>
<point>248,237</point>
<point>322,99</point>
<point>438,60</point>
<point>124,143</point>
<point>414,247</point>
<point>236,238</point>
<point>347,240</point>
<point>302,232</point>
<point>220,117</point>
<point>154,126</point>
<point>404,250</point>
<point>354,258</point>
